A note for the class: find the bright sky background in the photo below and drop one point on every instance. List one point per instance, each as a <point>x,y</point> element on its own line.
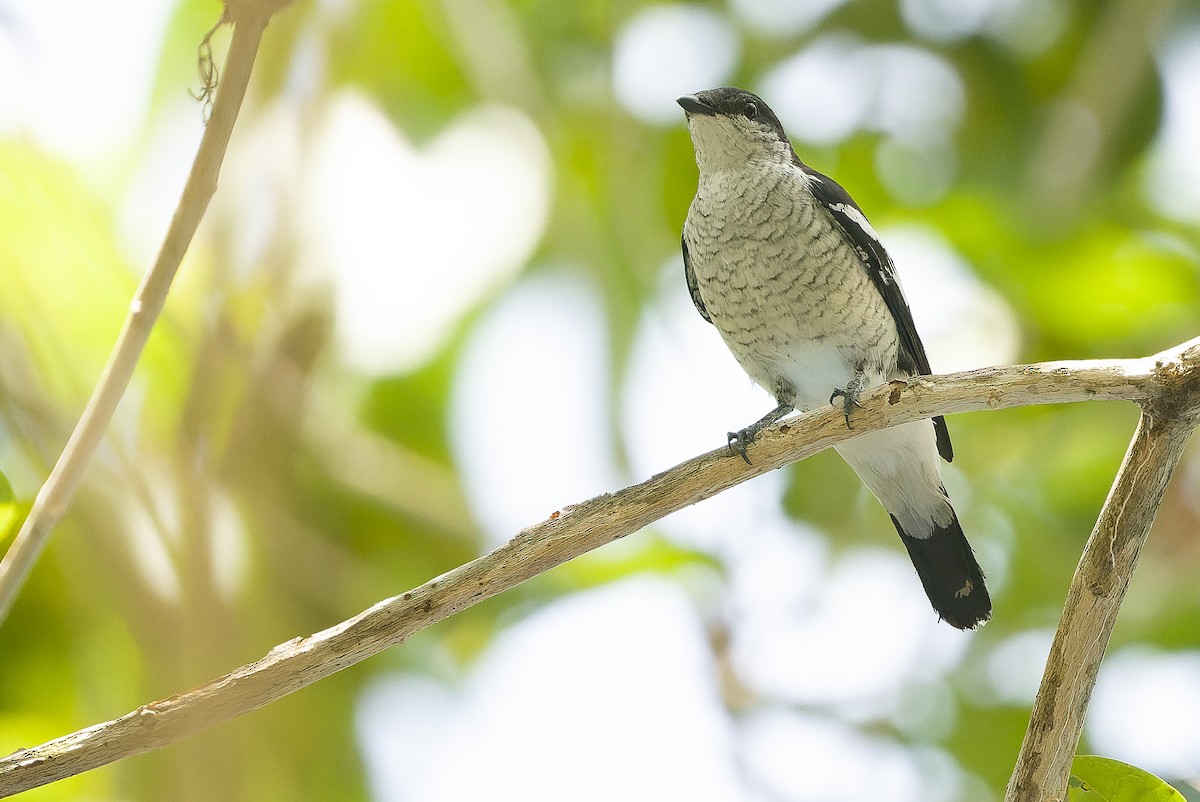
<point>615,686</point>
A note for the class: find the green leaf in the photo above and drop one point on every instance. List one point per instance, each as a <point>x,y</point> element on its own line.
<point>1102,779</point>
<point>9,514</point>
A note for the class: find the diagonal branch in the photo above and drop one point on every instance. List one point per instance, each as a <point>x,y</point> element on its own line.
<point>250,18</point>
<point>1152,382</point>
<point>1043,766</point>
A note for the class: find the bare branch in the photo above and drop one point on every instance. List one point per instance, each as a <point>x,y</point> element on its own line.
<point>1043,766</point>
<point>1156,382</point>
<point>54,498</point>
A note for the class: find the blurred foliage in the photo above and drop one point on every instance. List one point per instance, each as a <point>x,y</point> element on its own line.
<point>225,513</point>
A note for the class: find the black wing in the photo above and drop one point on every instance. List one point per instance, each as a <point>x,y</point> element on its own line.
<point>853,223</point>
<point>693,288</point>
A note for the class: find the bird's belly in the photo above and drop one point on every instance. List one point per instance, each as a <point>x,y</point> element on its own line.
<point>810,370</point>
<point>800,330</point>
<point>806,372</point>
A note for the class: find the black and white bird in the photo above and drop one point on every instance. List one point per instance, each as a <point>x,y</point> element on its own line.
<point>784,263</point>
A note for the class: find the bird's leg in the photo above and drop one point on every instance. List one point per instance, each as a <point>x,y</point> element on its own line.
<point>849,395</point>
<point>740,439</point>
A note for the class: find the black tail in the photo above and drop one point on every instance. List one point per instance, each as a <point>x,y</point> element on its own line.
<point>951,576</point>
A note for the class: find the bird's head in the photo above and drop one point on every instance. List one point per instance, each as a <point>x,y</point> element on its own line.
<point>731,127</point>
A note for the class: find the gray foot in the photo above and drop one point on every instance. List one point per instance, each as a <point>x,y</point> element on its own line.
<point>739,440</point>
<point>849,396</point>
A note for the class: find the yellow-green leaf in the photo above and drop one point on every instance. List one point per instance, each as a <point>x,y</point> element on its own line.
<point>9,514</point>
<point>1102,779</point>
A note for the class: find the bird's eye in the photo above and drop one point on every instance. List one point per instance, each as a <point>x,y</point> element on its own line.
<point>751,111</point>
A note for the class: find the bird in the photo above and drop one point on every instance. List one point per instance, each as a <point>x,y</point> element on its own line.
<point>783,262</point>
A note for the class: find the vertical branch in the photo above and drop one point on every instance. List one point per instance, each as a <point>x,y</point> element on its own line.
<point>55,496</point>
<point>1097,590</point>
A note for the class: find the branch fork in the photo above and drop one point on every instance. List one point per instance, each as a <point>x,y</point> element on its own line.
<point>1168,385</point>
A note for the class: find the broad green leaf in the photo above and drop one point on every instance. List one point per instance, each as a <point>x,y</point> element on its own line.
<point>1102,779</point>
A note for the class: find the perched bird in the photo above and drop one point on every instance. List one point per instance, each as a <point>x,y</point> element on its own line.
<point>784,263</point>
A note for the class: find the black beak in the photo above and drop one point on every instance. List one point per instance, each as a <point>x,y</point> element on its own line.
<point>694,105</point>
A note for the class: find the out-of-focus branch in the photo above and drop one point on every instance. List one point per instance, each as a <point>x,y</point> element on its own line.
<point>580,528</point>
<point>249,17</point>
<point>1082,127</point>
<point>1044,763</point>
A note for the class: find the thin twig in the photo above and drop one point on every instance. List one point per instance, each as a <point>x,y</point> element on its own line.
<point>55,496</point>
<point>567,534</point>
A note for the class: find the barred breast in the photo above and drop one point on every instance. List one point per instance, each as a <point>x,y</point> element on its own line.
<point>787,292</point>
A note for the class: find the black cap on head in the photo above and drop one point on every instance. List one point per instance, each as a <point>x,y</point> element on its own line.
<point>729,101</point>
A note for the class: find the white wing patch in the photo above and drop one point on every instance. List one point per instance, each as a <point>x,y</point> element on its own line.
<point>859,219</point>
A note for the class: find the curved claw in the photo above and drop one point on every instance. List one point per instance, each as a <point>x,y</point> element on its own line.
<point>743,437</point>
<point>849,398</point>
<point>739,440</point>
